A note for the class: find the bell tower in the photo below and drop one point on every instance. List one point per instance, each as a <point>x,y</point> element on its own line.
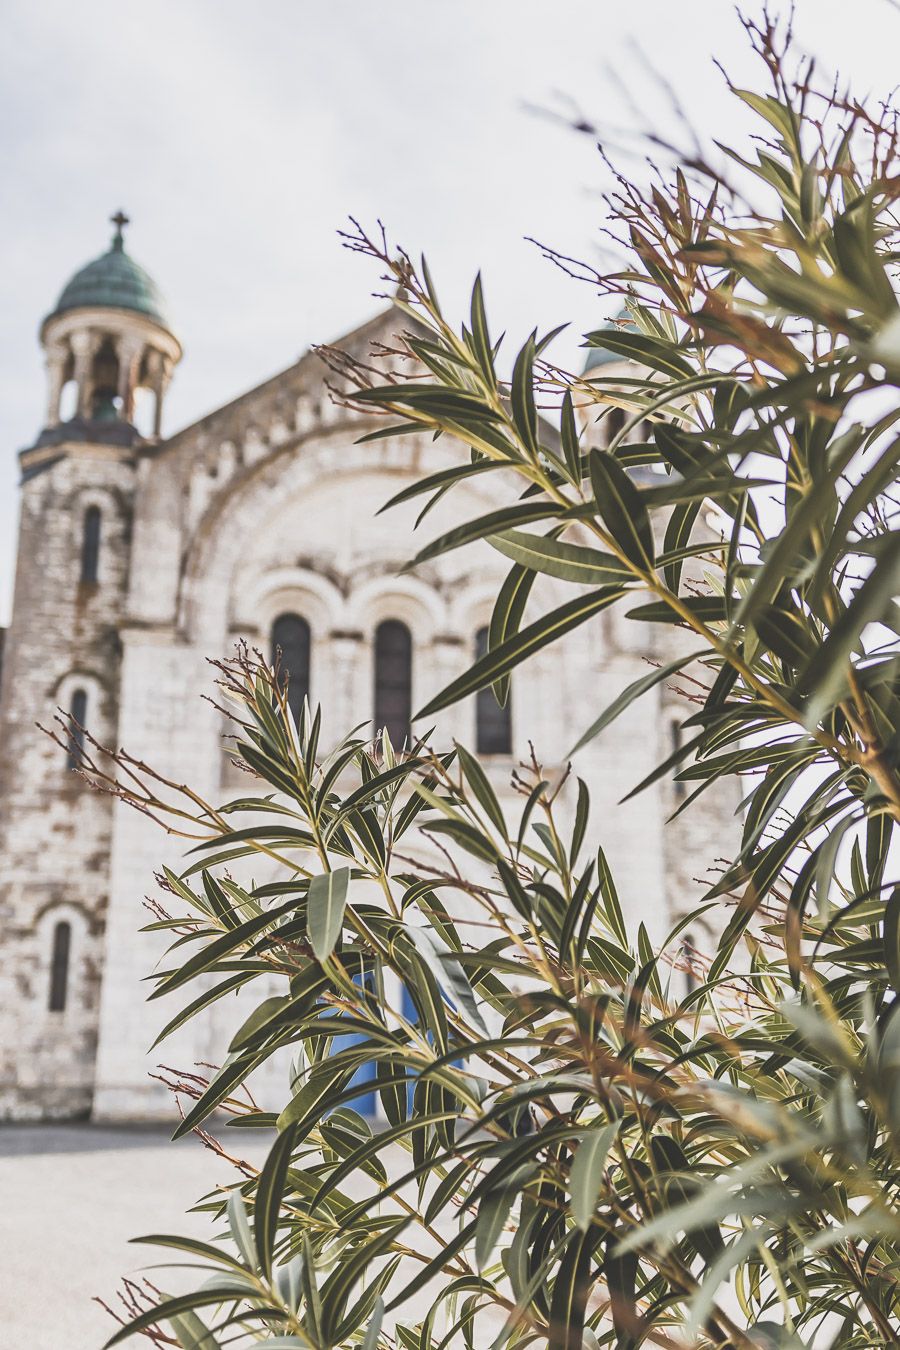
<point>110,352</point>
<point>110,338</point>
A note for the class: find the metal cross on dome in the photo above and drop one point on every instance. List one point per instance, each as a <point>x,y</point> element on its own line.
<point>120,220</point>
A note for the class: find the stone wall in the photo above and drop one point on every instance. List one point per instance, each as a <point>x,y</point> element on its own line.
<point>54,830</point>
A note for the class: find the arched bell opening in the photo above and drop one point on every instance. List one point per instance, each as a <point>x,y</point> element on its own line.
<point>143,413</point>
<point>105,402</point>
<point>68,401</point>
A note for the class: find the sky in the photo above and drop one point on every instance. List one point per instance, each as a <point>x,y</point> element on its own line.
<point>240,138</point>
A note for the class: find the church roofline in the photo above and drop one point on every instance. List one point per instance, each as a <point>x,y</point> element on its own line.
<point>309,361</point>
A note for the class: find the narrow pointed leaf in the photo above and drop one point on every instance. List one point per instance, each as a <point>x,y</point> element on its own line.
<point>325,910</point>
<point>586,1176</point>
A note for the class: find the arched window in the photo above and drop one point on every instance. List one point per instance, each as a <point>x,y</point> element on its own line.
<point>493,724</point>
<point>291,636</point>
<point>615,421</point>
<point>688,952</point>
<point>679,786</point>
<point>78,716</point>
<point>393,681</point>
<point>90,544</point>
<point>59,966</point>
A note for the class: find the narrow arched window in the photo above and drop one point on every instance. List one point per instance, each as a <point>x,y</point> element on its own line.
<point>90,544</point>
<point>393,681</point>
<point>59,966</point>
<point>291,637</point>
<point>679,786</point>
<point>615,421</point>
<point>688,952</point>
<point>77,723</point>
<point>493,723</point>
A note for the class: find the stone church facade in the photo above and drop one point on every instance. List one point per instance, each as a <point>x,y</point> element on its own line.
<point>140,556</point>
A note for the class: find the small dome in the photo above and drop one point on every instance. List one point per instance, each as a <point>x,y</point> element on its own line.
<point>601,356</point>
<point>114,281</point>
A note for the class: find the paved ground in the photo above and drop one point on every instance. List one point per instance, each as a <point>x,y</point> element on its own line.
<point>71,1197</point>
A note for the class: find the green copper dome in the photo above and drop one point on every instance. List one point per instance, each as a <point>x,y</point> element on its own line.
<point>601,356</point>
<point>114,281</point>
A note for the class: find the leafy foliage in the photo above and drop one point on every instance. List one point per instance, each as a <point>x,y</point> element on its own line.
<point>577,1151</point>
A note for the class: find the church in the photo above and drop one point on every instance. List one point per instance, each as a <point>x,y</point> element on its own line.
<point>144,554</point>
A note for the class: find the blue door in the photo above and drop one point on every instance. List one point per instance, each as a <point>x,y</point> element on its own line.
<point>365,1103</point>
<point>409,1012</point>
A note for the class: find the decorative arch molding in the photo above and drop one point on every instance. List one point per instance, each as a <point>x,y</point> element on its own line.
<point>413,602</point>
<point>109,499</point>
<point>293,471</point>
<point>55,905</point>
<point>471,606</point>
<point>250,499</point>
<point>472,602</point>
<point>298,590</point>
<point>91,681</point>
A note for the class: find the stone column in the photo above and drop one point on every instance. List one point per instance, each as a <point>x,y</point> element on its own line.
<point>346,698</point>
<point>129,351</point>
<point>84,345</point>
<point>442,662</point>
<point>160,375</point>
<point>56,370</point>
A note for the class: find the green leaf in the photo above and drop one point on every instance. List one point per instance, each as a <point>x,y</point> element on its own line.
<point>495,522</point>
<point>373,1331</point>
<point>192,1333</point>
<point>632,692</point>
<point>240,1228</point>
<point>794,539</point>
<point>493,1213</point>
<point>521,394</point>
<point>570,1291</point>
<point>269,1195</point>
<point>622,509</point>
<point>678,534</point>
<point>438,482</point>
<point>339,1285</point>
<point>826,674</point>
<point>519,648</point>
<point>705,608</point>
<point>481,341</point>
<point>451,978</point>
<point>556,558</point>
<point>717,1271</point>
<point>212,952</point>
<point>586,1176</point>
<point>506,617</point>
<point>637,347</point>
<point>482,790</point>
<point>232,1073</point>
<point>863,494</point>
<point>568,431</point>
<point>194,1247</point>
<point>892,937</point>
<point>325,910</point>
<point>770,1336</point>
<point>431,399</point>
<point>204,1000</point>
<point>161,1312</point>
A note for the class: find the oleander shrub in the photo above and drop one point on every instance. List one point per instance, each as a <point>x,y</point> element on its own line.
<point>580,1148</point>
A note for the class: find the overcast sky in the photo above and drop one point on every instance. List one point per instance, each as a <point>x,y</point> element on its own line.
<point>239,137</point>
